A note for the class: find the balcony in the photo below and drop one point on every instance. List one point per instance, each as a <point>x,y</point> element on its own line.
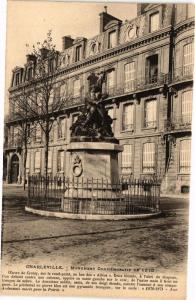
<point>137,85</point>
<point>14,144</point>
<point>183,73</point>
<point>177,124</point>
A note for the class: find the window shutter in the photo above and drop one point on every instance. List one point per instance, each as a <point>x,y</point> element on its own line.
<point>188,59</point>
<point>127,160</point>
<point>37,161</point>
<point>186,106</point>
<point>185,156</point>
<point>130,76</point>
<point>49,166</point>
<point>149,158</point>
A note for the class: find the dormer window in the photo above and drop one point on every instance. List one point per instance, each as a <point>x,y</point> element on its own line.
<point>112,40</point>
<point>17,78</point>
<point>30,73</point>
<point>78,53</point>
<point>51,65</point>
<point>154,22</point>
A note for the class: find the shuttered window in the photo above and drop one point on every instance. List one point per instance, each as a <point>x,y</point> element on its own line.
<point>150,113</point>
<point>112,42</point>
<point>188,59</point>
<point>154,22</point>
<point>49,165</point>
<point>63,90</point>
<point>110,81</point>
<point>130,77</point>
<point>185,153</point>
<point>38,133</point>
<point>60,160</point>
<point>128,117</point>
<point>76,88</point>
<point>186,107</point>
<point>127,160</point>
<point>37,161</point>
<point>62,128</point>
<point>149,158</point>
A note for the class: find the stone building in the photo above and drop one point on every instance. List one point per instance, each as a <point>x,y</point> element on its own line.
<point>149,95</point>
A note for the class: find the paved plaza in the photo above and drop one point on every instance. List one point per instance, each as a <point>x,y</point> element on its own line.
<point>159,242</point>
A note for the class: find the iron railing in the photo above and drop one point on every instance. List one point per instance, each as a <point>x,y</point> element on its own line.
<point>94,196</point>
<point>183,73</point>
<point>178,123</point>
<point>137,84</point>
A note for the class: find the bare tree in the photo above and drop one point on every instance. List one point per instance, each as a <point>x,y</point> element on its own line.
<point>40,100</point>
<point>25,128</point>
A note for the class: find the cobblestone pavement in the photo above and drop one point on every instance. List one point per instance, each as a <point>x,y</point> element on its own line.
<point>158,243</point>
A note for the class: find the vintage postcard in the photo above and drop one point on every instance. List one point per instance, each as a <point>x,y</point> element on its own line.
<point>97,149</point>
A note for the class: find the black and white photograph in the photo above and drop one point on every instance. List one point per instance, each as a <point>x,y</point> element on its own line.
<point>97,148</point>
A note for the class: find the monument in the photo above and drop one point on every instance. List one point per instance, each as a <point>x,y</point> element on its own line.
<point>93,154</point>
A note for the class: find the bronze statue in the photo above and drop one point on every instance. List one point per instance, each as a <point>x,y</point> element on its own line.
<point>94,121</point>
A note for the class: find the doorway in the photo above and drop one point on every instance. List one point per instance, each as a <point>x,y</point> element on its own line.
<point>14,169</point>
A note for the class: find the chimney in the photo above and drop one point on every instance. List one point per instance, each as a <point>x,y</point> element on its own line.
<point>67,42</point>
<point>141,8</point>
<point>44,52</point>
<point>105,18</point>
<point>30,57</point>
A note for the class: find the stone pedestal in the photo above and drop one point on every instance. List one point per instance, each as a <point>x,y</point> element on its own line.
<point>98,160</point>
<point>94,177</point>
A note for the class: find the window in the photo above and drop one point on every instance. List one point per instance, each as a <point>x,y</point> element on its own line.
<point>186,107</point>
<point>17,78</point>
<point>130,76</point>
<point>188,59</point>
<point>149,158</point>
<point>112,42</point>
<point>111,114</point>
<point>63,90</point>
<point>127,160</point>
<point>93,49</point>
<point>185,152</point>
<point>30,73</point>
<point>128,117</point>
<point>154,22</point>
<point>62,128</point>
<point>49,165</point>
<point>150,113</point>
<point>37,161</point>
<point>76,88</point>
<point>60,160</point>
<point>51,65</point>
<point>28,130</point>
<point>38,134</point>
<point>152,69</point>
<point>110,81</point>
<point>74,118</point>
<point>78,53</point>
<point>51,98</point>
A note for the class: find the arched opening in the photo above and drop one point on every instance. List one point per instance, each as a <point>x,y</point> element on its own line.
<point>14,169</point>
<point>4,167</point>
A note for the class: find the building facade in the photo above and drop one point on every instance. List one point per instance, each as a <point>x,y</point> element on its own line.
<point>149,96</point>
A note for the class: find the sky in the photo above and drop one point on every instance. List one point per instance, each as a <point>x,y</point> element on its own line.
<point>29,21</point>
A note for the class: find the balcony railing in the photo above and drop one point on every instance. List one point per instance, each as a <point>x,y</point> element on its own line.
<point>137,84</point>
<point>183,73</point>
<point>13,144</point>
<point>178,123</point>
<point>150,124</point>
